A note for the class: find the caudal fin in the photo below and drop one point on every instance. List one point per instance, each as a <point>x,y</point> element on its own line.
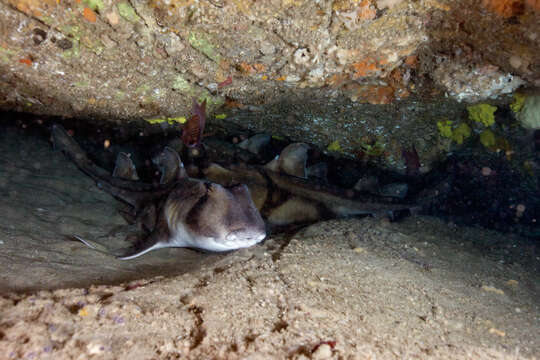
<point>121,254</point>
<point>132,192</point>
<point>93,245</point>
<point>64,142</point>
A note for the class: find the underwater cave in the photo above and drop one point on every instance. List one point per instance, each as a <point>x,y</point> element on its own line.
<point>270,180</point>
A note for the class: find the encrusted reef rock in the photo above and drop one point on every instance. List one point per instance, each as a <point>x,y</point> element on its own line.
<point>133,60</point>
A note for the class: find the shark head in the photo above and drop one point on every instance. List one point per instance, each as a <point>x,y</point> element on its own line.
<point>212,217</point>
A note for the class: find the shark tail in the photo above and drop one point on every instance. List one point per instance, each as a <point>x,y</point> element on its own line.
<point>64,142</point>
<point>93,245</point>
<point>120,254</point>
<point>132,192</point>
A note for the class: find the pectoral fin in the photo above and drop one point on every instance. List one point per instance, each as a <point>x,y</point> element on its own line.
<point>158,238</point>
<point>136,251</point>
<point>256,143</point>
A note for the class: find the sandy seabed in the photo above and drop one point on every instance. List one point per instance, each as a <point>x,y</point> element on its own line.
<point>342,289</point>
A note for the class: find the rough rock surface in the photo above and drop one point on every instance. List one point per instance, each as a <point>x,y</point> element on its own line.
<point>342,289</point>
<point>126,61</point>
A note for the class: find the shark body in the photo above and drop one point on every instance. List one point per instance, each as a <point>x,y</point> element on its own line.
<point>183,212</point>
<point>285,194</point>
<point>222,211</point>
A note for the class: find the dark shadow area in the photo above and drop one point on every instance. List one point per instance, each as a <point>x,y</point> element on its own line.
<point>46,199</point>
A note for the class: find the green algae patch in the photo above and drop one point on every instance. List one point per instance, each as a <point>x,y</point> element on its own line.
<point>127,12</point>
<point>517,104</point>
<point>462,132</point>
<point>119,95</point>
<point>445,128</point>
<point>96,46</point>
<point>170,120</point>
<point>81,84</point>
<point>7,54</point>
<point>73,52</point>
<point>73,33</point>
<point>182,85</point>
<point>178,119</point>
<point>47,20</point>
<point>201,42</point>
<point>482,113</point>
<point>142,89</point>
<point>155,121</point>
<point>96,5</point>
<point>457,134</point>
<point>375,149</point>
<point>334,146</point>
<point>77,36</point>
<point>211,101</point>
<point>487,138</point>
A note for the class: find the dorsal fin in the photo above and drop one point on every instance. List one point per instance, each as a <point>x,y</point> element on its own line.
<point>181,173</point>
<point>318,171</point>
<point>293,158</point>
<point>124,167</point>
<point>170,165</point>
<point>273,165</point>
<point>255,143</point>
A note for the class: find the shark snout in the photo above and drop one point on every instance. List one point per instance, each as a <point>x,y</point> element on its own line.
<point>245,235</point>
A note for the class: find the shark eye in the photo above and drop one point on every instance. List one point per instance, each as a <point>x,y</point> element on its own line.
<point>210,187</point>
<point>238,188</point>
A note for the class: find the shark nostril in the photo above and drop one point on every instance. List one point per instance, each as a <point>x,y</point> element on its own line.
<point>232,236</point>
<point>243,235</point>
